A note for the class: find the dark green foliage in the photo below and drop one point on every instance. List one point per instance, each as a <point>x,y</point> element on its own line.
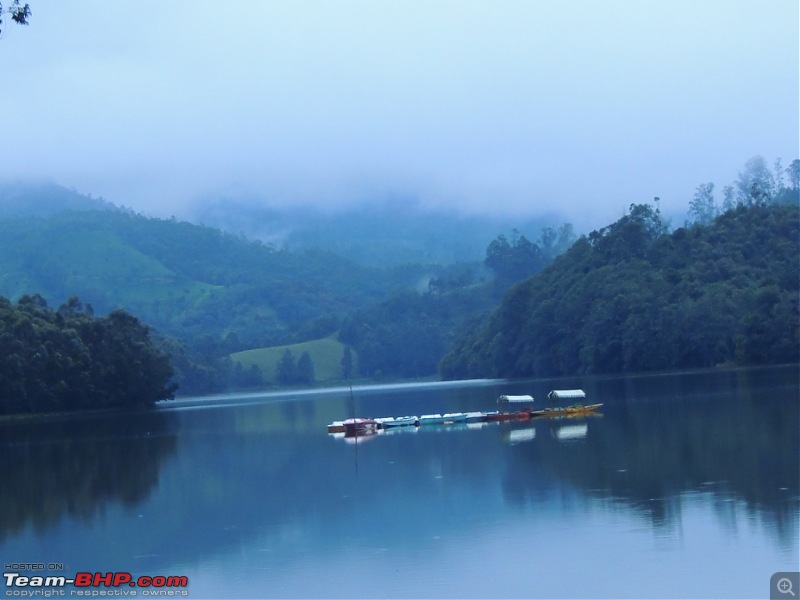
<point>305,369</point>
<point>291,371</point>
<point>632,298</point>
<point>185,280</point>
<point>515,260</point>
<point>215,293</point>
<point>406,335</point>
<point>287,368</point>
<point>347,362</point>
<point>66,360</point>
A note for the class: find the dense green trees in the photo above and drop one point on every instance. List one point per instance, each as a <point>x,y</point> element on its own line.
<point>514,260</point>
<point>66,360</point>
<point>292,371</point>
<point>630,297</point>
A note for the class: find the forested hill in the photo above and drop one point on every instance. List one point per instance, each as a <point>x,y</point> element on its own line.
<point>182,279</point>
<point>631,297</point>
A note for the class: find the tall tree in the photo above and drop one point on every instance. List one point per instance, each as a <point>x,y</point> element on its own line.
<point>756,183</point>
<point>728,195</point>
<point>702,208</point>
<point>305,369</point>
<point>287,368</point>
<point>347,362</point>
<point>793,172</point>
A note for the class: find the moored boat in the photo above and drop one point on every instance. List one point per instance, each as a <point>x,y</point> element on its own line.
<point>493,417</point>
<point>454,417</point>
<point>509,416</point>
<point>524,414</point>
<point>359,426</point>
<point>582,408</point>
<point>399,422</point>
<point>336,427</point>
<point>577,409</point>
<point>474,417</point>
<point>431,419</point>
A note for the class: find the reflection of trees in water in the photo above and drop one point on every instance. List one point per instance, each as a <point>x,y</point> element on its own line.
<point>733,440</point>
<point>75,466</point>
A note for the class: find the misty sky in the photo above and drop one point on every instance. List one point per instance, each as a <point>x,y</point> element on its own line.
<point>576,106</point>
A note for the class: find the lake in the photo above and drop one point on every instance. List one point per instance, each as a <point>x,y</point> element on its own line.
<point>683,486</point>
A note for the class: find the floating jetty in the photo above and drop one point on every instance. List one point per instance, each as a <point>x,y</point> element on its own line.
<point>361,426</point>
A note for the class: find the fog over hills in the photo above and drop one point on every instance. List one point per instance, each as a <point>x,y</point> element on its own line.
<point>391,232</point>
<point>388,232</point>
<point>41,198</point>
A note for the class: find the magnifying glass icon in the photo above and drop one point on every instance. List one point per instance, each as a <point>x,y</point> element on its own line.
<point>784,586</point>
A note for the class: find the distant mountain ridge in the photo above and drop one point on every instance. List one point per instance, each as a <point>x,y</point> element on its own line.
<point>387,232</point>
<point>41,199</point>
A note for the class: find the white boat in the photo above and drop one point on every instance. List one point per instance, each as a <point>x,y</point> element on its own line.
<point>399,421</point>
<point>567,394</point>
<point>509,398</point>
<point>431,419</point>
<point>474,417</point>
<point>454,417</point>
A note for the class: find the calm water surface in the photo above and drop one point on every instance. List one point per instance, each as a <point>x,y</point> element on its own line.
<point>686,485</point>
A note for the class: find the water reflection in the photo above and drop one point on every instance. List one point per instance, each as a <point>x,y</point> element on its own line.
<point>75,467</point>
<point>263,480</point>
<point>731,437</point>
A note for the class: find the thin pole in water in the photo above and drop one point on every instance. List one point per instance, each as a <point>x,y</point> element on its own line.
<point>355,425</point>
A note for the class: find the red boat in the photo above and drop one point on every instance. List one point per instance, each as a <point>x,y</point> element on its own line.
<point>520,415</point>
<point>358,426</point>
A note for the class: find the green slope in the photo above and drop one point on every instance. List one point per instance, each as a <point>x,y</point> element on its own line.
<point>185,280</point>
<point>326,354</point>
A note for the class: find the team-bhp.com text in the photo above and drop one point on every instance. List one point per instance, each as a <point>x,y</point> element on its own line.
<point>95,584</point>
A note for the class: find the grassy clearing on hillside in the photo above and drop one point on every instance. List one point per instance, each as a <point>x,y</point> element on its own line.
<point>326,354</point>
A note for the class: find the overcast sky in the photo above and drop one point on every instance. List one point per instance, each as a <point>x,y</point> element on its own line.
<point>576,106</point>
